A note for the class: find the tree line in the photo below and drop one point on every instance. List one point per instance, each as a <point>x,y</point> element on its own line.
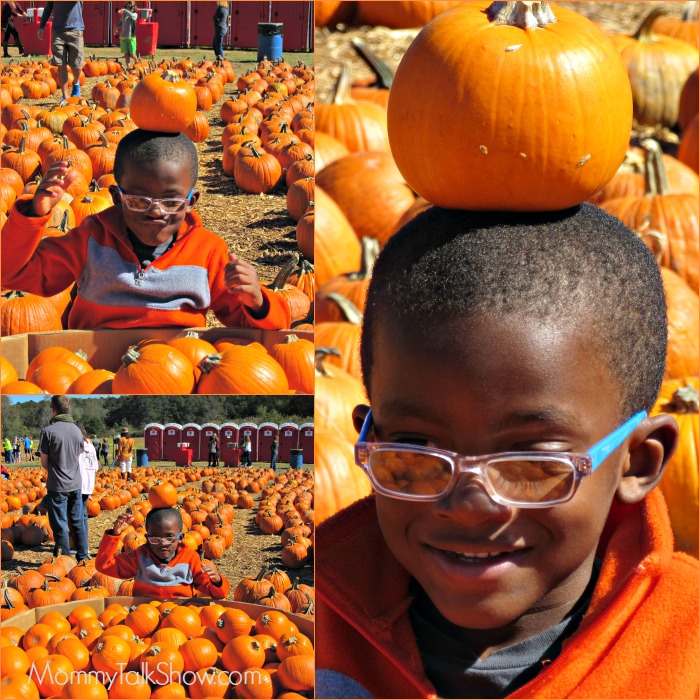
<point>103,416</point>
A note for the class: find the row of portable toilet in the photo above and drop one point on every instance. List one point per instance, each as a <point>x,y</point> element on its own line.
<point>165,442</point>
<point>185,24</point>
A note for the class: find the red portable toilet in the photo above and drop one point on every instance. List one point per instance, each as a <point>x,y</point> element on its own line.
<point>28,32</point>
<point>298,20</point>
<point>289,439</point>
<point>96,20</point>
<point>153,440</point>
<point>251,430</point>
<point>207,430</point>
<point>228,434</point>
<point>172,437</point>
<point>306,442</point>
<point>173,20</point>
<point>267,432</point>
<point>202,23</point>
<point>192,433</point>
<point>245,17</point>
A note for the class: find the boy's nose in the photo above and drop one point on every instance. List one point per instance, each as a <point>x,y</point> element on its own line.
<point>470,503</point>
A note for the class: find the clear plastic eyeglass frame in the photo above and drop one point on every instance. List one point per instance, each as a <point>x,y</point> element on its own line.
<point>162,540</point>
<point>581,465</point>
<point>169,205</point>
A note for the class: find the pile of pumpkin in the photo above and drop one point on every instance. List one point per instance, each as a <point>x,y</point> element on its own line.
<point>184,365</point>
<point>171,96</point>
<point>157,650</point>
<point>366,191</point>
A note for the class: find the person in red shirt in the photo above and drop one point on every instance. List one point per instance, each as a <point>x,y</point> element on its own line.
<point>164,567</point>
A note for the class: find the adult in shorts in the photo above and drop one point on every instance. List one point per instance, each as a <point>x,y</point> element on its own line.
<point>125,453</point>
<point>66,42</point>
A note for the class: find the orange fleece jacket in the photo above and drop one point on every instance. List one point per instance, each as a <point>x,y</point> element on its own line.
<point>638,639</point>
<point>181,577</point>
<point>113,289</point>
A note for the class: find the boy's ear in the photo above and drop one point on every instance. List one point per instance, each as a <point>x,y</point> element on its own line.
<point>194,198</point>
<point>359,413</point>
<point>652,445</point>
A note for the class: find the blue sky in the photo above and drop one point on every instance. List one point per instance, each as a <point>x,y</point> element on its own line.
<point>22,398</point>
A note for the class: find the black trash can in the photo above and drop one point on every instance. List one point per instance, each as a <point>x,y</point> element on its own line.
<point>296,459</point>
<point>270,35</point>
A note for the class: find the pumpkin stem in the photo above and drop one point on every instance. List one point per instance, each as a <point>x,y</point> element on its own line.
<point>644,32</point>
<point>341,90</point>
<point>350,312</point>
<point>521,14</point>
<point>132,355</point>
<point>384,74</point>
<point>208,363</point>
<point>282,276</point>
<point>684,400</point>
<point>320,355</point>
<point>655,170</point>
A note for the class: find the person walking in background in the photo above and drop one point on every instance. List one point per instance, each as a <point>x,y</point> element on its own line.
<point>220,28</point>
<point>61,444</point>
<point>89,465</point>
<point>7,449</point>
<point>213,451</point>
<point>66,42</point>
<point>274,449</point>
<point>17,450</point>
<point>96,444</point>
<point>10,10</point>
<point>245,457</point>
<point>104,451</point>
<point>27,442</point>
<point>127,35</point>
<point>125,453</point>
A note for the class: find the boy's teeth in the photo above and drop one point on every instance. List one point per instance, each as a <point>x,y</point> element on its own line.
<point>482,555</point>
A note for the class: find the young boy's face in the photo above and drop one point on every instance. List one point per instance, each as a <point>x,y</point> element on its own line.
<point>496,385</point>
<point>169,532</point>
<point>160,180</point>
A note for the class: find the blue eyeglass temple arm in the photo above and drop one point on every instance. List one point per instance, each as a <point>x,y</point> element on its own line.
<point>598,453</point>
<point>603,449</point>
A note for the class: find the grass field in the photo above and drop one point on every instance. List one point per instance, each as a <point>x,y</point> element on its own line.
<point>245,56</point>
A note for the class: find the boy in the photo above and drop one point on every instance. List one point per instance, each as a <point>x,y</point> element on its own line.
<point>125,453</point>
<point>145,262</point>
<point>125,29</point>
<point>528,339</point>
<point>163,567</point>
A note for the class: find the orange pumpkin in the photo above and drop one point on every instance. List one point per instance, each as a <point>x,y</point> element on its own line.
<point>155,368</point>
<point>498,161</point>
<point>163,102</point>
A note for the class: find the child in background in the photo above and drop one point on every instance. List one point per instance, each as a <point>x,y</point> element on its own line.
<point>163,567</point>
<point>146,262</point>
<point>125,453</point>
<point>125,29</point>
<point>104,451</point>
<point>89,466</point>
<point>517,545</point>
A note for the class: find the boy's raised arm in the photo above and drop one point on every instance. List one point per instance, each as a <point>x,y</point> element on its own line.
<point>108,561</point>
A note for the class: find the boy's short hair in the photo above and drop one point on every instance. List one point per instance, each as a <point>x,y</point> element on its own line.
<point>144,146</point>
<point>155,516</point>
<point>60,403</point>
<point>581,266</point>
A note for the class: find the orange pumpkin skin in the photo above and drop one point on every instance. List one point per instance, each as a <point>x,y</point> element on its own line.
<point>679,484</point>
<point>154,368</point>
<point>510,155</point>
<point>163,102</point>
<point>683,354</point>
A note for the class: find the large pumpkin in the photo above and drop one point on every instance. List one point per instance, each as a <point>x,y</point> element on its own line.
<point>163,102</point>
<point>27,313</point>
<point>509,107</point>
<point>680,481</point>
<point>683,354</point>
<point>155,368</point>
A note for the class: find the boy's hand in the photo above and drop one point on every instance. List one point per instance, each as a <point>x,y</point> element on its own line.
<point>212,573</point>
<point>123,522</point>
<point>242,280</point>
<point>52,187</point>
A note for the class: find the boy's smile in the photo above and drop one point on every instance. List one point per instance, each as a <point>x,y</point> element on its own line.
<point>496,384</point>
<point>159,180</point>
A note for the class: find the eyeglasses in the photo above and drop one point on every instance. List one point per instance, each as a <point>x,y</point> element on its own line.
<point>522,479</point>
<point>170,205</point>
<point>162,540</point>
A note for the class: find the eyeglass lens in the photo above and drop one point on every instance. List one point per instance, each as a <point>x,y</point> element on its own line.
<point>513,479</point>
<point>138,203</point>
<point>161,540</point>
